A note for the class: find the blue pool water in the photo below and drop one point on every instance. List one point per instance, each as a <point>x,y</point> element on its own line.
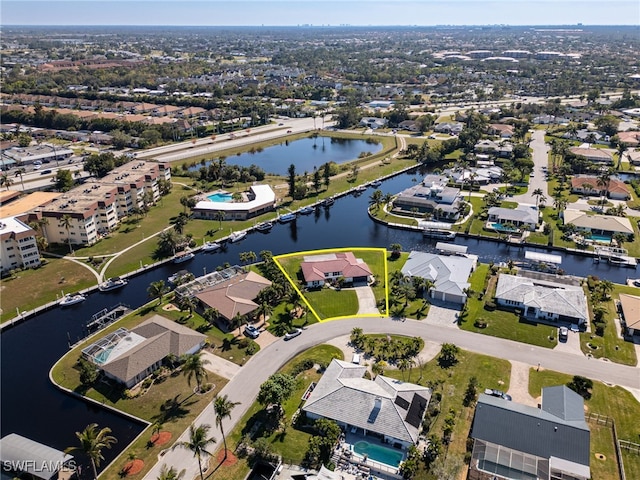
<point>378,453</point>
<point>600,238</point>
<point>220,197</point>
<point>501,228</point>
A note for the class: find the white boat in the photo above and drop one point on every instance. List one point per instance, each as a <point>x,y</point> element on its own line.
<point>361,189</point>
<point>237,236</point>
<point>264,227</point>
<point>183,257</point>
<point>376,183</point>
<point>210,246</point>
<point>444,234</point>
<point>306,210</point>
<point>287,217</point>
<point>328,202</point>
<point>71,299</point>
<point>112,284</point>
<point>177,276</point>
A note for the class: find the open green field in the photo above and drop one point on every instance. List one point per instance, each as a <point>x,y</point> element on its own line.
<point>500,323</point>
<point>614,402</point>
<point>291,443</point>
<point>28,289</point>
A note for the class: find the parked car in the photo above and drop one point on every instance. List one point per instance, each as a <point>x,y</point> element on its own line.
<point>564,333</point>
<point>251,331</point>
<point>44,172</point>
<point>497,393</point>
<point>293,334</point>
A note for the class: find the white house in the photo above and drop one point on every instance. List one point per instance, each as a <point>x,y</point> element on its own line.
<point>433,196</point>
<point>523,216</point>
<point>258,200</point>
<point>452,128</point>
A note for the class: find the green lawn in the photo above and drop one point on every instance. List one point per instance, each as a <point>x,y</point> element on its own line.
<point>291,443</point>
<point>614,402</point>
<point>417,308</point>
<point>500,323</point>
<point>451,384</point>
<point>28,289</point>
<point>329,303</point>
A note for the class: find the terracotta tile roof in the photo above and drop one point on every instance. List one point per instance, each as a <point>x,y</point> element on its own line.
<point>345,263</point>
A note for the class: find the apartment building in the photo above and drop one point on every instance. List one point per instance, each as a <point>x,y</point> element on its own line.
<point>18,246</point>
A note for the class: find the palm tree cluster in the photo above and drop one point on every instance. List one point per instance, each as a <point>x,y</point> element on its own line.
<point>600,292</point>
<point>92,442</point>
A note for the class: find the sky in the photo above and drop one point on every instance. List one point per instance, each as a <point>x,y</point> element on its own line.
<point>319,12</point>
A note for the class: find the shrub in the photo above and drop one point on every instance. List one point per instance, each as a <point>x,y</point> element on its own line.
<point>490,305</point>
<point>251,349</point>
<point>480,323</point>
<point>302,366</point>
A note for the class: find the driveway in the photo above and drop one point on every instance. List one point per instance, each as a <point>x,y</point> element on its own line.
<point>571,345</point>
<point>219,365</point>
<point>366,301</point>
<point>519,384</point>
<point>540,159</point>
<point>443,315</point>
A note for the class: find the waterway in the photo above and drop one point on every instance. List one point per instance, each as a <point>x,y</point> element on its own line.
<point>32,407</point>
<point>305,153</point>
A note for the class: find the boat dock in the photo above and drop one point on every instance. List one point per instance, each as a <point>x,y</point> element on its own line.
<point>615,256</point>
<point>106,317</point>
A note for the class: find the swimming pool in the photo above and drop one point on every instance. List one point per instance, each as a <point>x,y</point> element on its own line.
<point>501,228</point>
<point>378,453</point>
<point>600,238</point>
<point>220,197</point>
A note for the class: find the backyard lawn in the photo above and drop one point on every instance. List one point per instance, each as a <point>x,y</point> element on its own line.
<point>614,402</point>
<point>500,323</point>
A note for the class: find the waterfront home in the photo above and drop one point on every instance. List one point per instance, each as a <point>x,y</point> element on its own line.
<point>597,155</point>
<point>432,196</point>
<point>129,357</point>
<point>320,269</point>
<point>542,299</point>
<point>590,185</point>
<point>449,274</point>
<point>597,224</point>
<point>257,200</point>
<point>385,408</point>
<point>516,441</point>
<point>630,309</point>
<point>503,150</point>
<point>523,216</point>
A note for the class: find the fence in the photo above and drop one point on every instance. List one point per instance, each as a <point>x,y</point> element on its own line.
<point>598,419</point>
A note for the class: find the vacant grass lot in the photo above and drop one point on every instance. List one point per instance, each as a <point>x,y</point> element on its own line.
<point>291,443</point>
<point>500,323</point>
<point>614,402</point>
<point>28,289</point>
<point>451,384</point>
<point>329,303</point>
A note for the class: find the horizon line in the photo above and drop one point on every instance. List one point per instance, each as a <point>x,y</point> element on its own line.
<point>346,25</point>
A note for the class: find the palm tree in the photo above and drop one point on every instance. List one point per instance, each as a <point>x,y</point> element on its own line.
<point>375,200</point>
<point>210,314</point>
<point>198,443</point>
<point>21,171</point>
<point>386,199</point>
<point>219,215</point>
<point>622,147</point>
<point>167,473</point>
<point>538,193</point>
<point>168,241</point>
<point>65,222</point>
<point>604,180</point>
<point>157,290</point>
<point>605,287</point>
<point>222,406</point>
<point>396,249</point>
<point>92,441</point>
<point>5,180</point>
<point>193,367</point>
<point>264,310</point>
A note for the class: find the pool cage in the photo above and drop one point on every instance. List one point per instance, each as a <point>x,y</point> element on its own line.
<point>196,286</point>
<point>98,352</point>
<point>504,462</point>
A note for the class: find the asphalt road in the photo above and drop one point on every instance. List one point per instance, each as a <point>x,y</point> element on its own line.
<point>537,179</point>
<point>245,385</point>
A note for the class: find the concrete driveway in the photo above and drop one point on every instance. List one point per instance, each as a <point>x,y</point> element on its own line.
<point>570,345</point>
<point>444,315</point>
<point>366,300</point>
<point>220,366</point>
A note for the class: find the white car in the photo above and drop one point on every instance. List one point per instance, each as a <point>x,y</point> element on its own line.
<point>564,333</point>
<point>293,334</point>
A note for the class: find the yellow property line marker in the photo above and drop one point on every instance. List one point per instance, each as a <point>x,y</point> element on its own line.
<point>381,251</point>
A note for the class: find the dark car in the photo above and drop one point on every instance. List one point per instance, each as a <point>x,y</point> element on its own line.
<point>497,393</point>
<point>293,334</point>
<point>44,172</point>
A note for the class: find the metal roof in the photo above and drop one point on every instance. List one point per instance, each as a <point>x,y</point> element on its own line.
<point>543,257</point>
<point>24,454</point>
<point>451,247</point>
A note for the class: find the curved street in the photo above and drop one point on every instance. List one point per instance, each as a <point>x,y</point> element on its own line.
<point>244,386</point>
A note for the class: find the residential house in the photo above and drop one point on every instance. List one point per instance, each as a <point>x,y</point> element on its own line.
<point>597,224</point>
<point>410,125</point>
<point>320,269</point>
<point>477,176</point>
<point>598,155</point>
<point>18,246</point>
<point>166,110</point>
<point>549,119</point>
<point>387,409</point>
<point>129,357</point>
<point>233,296</point>
<point>373,122</point>
<point>542,299</point>
<point>503,150</point>
<point>431,196</point>
<point>500,130</point>
<point>523,216</point>
<point>630,309</point>
<point>512,441</point>
<point>631,139</point>
<point>590,185</point>
<point>588,136</point>
<point>452,128</point>
<point>449,274</point>
<point>256,201</point>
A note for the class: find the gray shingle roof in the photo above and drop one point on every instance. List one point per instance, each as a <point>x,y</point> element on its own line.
<point>526,214</point>
<point>532,430</point>
<point>343,395</point>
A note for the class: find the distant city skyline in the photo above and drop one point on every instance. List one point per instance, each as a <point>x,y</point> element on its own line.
<point>319,12</point>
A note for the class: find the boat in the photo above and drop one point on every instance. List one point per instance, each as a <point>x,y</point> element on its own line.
<point>376,183</point>
<point>112,284</point>
<point>287,217</point>
<point>306,210</point>
<point>360,189</point>
<point>173,279</point>
<point>328,202</point>
<point>623,261</point>
<point>71,299</point>
<point>237,236</point>
<point>444,234</point>
<point>210,246</point>
<point>183,257</point>
<point>264,226</point>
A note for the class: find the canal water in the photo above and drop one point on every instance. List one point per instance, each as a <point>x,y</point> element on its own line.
<point>32,407</point>
<point>305,153</point>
